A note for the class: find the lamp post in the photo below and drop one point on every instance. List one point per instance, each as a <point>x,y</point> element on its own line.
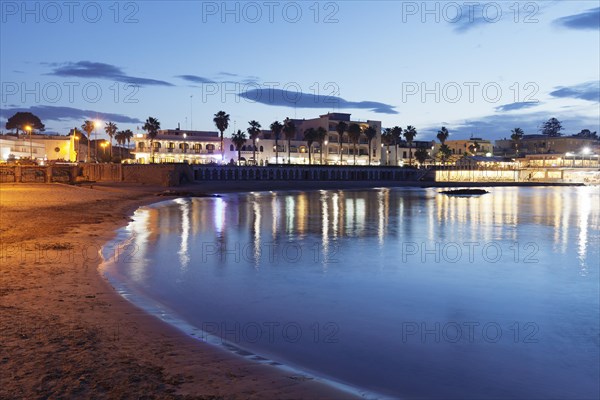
<point>584,152</point>
<point>28,129</point>
<point>256,150</point>
<point>104,144</point>
<point>76,143</point>
<point>184,149</point>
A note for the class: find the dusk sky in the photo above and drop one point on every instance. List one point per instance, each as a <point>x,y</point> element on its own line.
<point>479,70</point>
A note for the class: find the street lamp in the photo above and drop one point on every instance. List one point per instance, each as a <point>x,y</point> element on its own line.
<point>104,144</point>
<point>584,152</point>
<point>76,142</point>
<point>184,150</point>
<point>28,129</point>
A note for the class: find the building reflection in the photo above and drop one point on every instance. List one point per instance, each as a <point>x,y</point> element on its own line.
<point>395,215</point>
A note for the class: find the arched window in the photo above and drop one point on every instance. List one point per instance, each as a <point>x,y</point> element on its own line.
<point>262,149</point>
<point>141,145</point>
<point>230,147</point>
<point>157,145</point>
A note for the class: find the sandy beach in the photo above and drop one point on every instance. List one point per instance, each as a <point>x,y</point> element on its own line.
<point>66,333</point>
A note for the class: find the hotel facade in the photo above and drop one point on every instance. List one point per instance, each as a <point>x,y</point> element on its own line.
<point>203,147</point>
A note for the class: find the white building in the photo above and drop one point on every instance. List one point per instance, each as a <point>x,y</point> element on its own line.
<point>201,147</point>
<point>39,147</point>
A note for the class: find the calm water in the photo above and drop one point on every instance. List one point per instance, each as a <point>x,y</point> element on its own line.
<point>402,292</point>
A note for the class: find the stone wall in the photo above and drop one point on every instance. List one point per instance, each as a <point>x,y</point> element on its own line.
<point>38,174</point>
<point>158,174</point>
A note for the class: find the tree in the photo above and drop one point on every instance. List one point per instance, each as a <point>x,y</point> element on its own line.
<point>552,127</point>
<point>370,133</point>
<point>111,129</point>
<point>442,135</point>
<point>387,138</point>
<point>320,137</point>
<point>586,133</point>
<point>473,148</point>
<point>444,153</point>
<point>276,128</point>
<point>88,127</point>
<point>120,139</point>
<point>396,137</point>
<point>152,127</point>
<point>289,130</point>
<point>354,132</point>
<point>128,136</point>
<point>421,155</point>
<point>221,121</point>
<point>22,119</point>
<point>253,132</point>
<point>409,134</point>
<point>310,135</point>
<point>239,139</point>
<point>516,136</point>
<point>340,128</point>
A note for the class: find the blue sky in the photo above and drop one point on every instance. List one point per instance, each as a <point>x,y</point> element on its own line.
<point>477,69</point>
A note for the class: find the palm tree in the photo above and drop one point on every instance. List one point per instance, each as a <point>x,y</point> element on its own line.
<point>152,127</point>
<point>111,129</point>
<point>128,136</point>
<point>120,138</point>
<point>221,121</point>
<point>289,130</point>
<point>517,135</point>
<point>320,137</point>
<point>370,133</point>
<point>387,138</point>
<point>253,132</point>
<point>340,128</point>
<point>421,155</point>
<point>396,137</point>
<point>310,135</point>
<point>88,127</point>
<point>443,134</point>
<point>409,134</point>
<point>444,153</point>
<point>238,139</point>
<point>354,131</point>
<point>473,148</point>
<point>276,128</point>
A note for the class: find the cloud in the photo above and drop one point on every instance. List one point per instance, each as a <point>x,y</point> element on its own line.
<point>224,77</point>
<point>585,91</point>
<point>54,113</point>
<point>285,98</point>
<point>89,69</point>
<point>589,19</point>
<point>498,126</point>
<point>517,106</point>
<point>471,17</point>
<point>195,79</point>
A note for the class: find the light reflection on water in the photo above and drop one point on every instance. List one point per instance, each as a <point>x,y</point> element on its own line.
<point>359,271</point>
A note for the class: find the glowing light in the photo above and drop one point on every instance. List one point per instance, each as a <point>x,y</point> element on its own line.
<point>586,150</point>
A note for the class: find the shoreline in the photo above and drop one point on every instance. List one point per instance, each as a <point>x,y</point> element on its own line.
<point>66,332</point>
